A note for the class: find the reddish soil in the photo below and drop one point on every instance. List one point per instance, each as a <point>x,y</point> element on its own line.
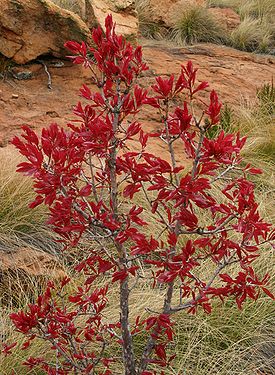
<point>234,74</point>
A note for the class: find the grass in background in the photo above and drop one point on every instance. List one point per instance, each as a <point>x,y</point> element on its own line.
<point>234,4</point>
<point>257,29</point>
<point>195,24</point>
<point>15,194</point>
<point>259,9</point>
<point>226,122</point>
<point>256,119</point>
<point>266,96</point>
<point>227,342</point>
<point>252,35</point>
<point>75,6</point>
<point>20,227</point>
<point>253,8</point>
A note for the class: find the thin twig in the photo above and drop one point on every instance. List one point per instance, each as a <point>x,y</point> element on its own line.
<point>203,232</point>
<point>48,74</point>
<point>223,173</point>
<point>198,153</point>
<point>190,303</point>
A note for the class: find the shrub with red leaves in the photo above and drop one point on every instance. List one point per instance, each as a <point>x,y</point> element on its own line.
<point>88,174</point>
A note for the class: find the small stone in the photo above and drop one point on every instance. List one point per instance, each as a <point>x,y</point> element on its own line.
<point>15,96</point>
<point>23,75</point>
<point>52,114</point>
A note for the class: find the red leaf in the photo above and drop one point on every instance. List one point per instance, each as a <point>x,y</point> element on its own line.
<point>38,200</point>
<point>172,239</point>
<point>268,293</point>
<point>133,129</point>
<point>119,275</point>
<point>7,348</point>
<point>255,171</point>
<point>85,191</point>
<point>160,351</point>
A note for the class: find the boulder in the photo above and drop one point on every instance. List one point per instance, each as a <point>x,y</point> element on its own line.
<point>76,6</point>
<point>24,272</point>
<point>30,28</point>
<point>93,13</point>
<point>31,262</point>
<point>226,17</point>
<point>123,12</point>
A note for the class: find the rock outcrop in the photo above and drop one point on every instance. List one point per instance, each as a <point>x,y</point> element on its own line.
<point>94,13</point>
<point>30,28</point>
<point>123,12</point>
<point>31,262</point>
<point>227,17</point>
<point>163,12</point>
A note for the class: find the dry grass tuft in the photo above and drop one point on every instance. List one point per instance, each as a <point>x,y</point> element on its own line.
<point>15,195</point>
<point>195,24</point>
<point>234,4</point>
<point>75,6</point>
<point>258,9</point>
<point>257,29</point>
<point>252,35</point>
<point>252,8</point>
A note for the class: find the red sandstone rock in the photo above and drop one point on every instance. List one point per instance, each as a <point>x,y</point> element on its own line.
<point>30,28</point>
<point>227,17</point>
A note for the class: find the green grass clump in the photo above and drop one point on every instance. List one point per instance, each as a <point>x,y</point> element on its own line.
<point>226,122</point>
<point>15,195</point>
<point>195,24</point>
<point>256,120</point>
<point>266,96</point>
<point>252,35</point>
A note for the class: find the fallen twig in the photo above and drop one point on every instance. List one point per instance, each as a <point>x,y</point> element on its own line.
<point>48,74</point>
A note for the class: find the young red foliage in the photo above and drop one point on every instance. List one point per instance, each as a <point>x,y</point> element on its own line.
<point>88,176</point>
